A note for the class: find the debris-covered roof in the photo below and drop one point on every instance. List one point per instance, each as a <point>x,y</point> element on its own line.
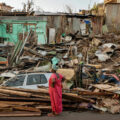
<point>5,13</point>
<point>37,13</point>
<point>4,4</point>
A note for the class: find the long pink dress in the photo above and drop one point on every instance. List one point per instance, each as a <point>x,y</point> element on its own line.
<point>56,93</point>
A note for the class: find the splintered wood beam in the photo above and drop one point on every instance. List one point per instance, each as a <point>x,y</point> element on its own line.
<point>17,93</point>
<point>18,103</point>
<point>1,94</point>
<point>44,107</point>
<point>77,98</point>
<point>20,114</point>
<point>24,99</point>
<point>32,51</point>
<point>95,93</point>
<point>2,105</point>
<point>38,91</point>
<point>26,108</point>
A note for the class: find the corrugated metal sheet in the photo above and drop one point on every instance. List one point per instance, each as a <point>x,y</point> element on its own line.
<point>110,1</point>
<point>76,24</point>
<point>112,17</point>
<point>97,23</point>
<point>23,18</point>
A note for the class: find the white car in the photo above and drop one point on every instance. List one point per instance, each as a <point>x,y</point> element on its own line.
<point>28,81</point>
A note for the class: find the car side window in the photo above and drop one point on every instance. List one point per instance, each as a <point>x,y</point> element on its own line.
<point>43,79</point>
<point>33,79</point>
<point>16,81</point>
<point>36,79</point>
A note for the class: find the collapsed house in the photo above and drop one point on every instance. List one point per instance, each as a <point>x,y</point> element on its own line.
<point>47,28</point>
<point>88,59</point>
<point>4,7</point>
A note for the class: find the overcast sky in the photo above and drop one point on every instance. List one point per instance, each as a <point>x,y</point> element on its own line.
<point>54,5</point>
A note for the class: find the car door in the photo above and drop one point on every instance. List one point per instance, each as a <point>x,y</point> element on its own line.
<point>35,80</point>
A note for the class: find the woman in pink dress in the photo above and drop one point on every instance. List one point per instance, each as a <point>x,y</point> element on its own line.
<point>55,91</point>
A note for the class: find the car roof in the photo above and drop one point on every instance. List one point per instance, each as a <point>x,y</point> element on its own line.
<point>33,74</point>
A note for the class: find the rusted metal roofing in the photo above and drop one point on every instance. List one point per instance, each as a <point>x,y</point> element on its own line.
<point>61,14</point>
<point>111,1</point>
<point>2,13</point>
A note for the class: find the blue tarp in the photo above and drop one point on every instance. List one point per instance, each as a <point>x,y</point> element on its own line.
<point>87,21</point>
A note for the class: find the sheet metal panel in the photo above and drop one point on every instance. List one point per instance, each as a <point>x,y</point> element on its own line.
<point>113,17</point>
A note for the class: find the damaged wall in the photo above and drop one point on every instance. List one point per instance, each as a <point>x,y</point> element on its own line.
<point>47,28</point>
<point>61,24</point>
<point>64,24</point>
<point>14,28</point>
<point>97,23</point>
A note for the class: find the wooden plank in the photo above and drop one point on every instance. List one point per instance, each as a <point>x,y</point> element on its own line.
<point>74,106</point>
<point>34,93</point>
<point>76,98</point>
<point>44,107</point>
<point>95,93</point>
<point>18,103</point>
<point>11,92</point>
<point>1,94</point>
<point>2,105</point>
<point>108,88</point>
<point>26,108</point>
<point>67,73</point>
<point>38,91</point>
<point>41,96</point>
<point>32,51</point>
<point>87,92</point>
<point>20,114</point>
<point>24,99</point>
<point>7,109</point>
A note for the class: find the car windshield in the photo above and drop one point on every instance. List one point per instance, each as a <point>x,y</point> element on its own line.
<point>16,81</point>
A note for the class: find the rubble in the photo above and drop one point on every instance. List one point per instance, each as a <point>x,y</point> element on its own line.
<point>38,101</point>
<point>35,101</point>
<point>92,64</point>
<point>106,51</point>
<point>85,46</point>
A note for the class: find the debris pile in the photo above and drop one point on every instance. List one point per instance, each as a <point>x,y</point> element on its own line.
<point>89,63</point>
<point>4,54</point>
<point>35,101</point>
<point>26,102</point>
<point>99,50</point>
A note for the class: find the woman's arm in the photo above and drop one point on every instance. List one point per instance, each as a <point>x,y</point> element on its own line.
<point>53,82</point>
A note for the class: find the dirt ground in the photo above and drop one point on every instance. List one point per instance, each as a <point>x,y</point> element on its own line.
<point>71,116</point>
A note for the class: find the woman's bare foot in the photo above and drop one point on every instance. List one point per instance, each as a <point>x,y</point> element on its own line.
<point>51,115</point>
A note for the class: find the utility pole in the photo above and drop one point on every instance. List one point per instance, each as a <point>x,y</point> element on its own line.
<point>89,5</point>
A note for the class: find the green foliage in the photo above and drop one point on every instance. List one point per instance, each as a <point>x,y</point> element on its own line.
<point>95,7</point>
<point>118,71</point>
